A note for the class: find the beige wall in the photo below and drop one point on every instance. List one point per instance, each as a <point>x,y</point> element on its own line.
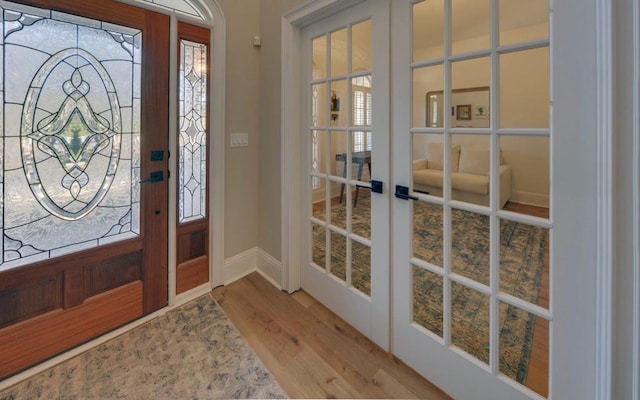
<point>269,215</point>
<point>242,106</point>
<point>252,180</point>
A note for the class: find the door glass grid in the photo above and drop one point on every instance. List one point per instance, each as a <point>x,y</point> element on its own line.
<point>70,134</point>
<point>341,93</point>
<point>475,149</point>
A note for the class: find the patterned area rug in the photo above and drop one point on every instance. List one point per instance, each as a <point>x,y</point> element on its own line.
<point>192,352</point>
<point>522,250</point>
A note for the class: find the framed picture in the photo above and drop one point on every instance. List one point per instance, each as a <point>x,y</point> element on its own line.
<point>463,112</point>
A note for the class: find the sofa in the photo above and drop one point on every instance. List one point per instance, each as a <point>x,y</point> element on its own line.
<point>469,174</point>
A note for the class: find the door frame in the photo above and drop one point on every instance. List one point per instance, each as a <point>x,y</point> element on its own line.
<point>599,53</point>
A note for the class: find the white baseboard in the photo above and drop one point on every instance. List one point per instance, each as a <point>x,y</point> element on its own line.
<point>534,199</point>
<point>270,268</point>
<point>240,265</point>
<point>252,260</point>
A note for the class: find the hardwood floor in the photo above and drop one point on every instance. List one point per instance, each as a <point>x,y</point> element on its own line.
<point>313,353</point>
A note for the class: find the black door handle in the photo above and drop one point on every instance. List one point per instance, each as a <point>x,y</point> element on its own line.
<point>154,177</point>
<point>402,192</point>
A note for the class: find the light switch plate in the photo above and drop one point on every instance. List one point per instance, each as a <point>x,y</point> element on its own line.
<point>239,139</point>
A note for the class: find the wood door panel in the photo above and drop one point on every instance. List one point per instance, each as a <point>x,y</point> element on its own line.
<point>192,273</point>
<point>38,338</point>
<point>33,298</point>
<point>192,255</point>
<point>192,245</point>
<point>113,273</point>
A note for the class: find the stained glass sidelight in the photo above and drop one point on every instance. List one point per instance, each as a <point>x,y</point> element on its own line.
<point>70,138</point>
<point>192,146</point>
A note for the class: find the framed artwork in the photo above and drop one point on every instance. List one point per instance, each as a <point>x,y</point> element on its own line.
<point>463,112</point>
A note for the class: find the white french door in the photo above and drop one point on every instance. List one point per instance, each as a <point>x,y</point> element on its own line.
<point>479,255</point>
<point>484,279</point>
<point>346,89</point>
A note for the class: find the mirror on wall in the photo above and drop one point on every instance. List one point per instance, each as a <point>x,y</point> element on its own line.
<point>469,108</point>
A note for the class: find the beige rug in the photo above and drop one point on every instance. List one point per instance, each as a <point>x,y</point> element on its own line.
<point>192,352</point>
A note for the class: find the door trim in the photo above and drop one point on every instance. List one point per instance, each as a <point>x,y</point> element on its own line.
<point>605,200</point>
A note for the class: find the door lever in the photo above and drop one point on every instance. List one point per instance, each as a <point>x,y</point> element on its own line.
<point>154,177</point>
<point>402,192</point>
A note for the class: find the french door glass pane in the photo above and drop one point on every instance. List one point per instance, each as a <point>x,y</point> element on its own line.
<point>71,134</point>
<point>470,321</point>
<point>339,58</point>
<point>361,212</point>
<point>470,245</point>
<point>524,72</point>
<point>319,61</point>
<point>524,262</point>
<point>528,158</point>
<point>361,46</point>
<point>361,267</point>
<point>522,21</point>
<point>470,169</point>
<point>427,300</point>
<point>318,245</point>
<point>427,167</point>
<point>524,348</point>
<point>428,30</point>
<point>428,82</point>
<point>471,26</point>
<point>338,251</point>
<point>467,98</point>
<point>427,232</point>
<point>319,105</point>
<point>192,146</point>
<point>337,108</point>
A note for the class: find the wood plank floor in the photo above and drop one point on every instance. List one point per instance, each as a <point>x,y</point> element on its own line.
<point>313,353</point>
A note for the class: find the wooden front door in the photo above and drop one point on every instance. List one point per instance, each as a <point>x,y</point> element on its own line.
<point>84,122</point>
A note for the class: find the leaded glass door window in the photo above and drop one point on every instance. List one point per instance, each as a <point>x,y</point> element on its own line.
<point>193,136</point>
<point>84,229</point>
<point>71,134</point>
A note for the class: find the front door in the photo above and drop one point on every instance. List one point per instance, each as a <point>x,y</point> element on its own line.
<point>346,151</point>
<point>84,173</point>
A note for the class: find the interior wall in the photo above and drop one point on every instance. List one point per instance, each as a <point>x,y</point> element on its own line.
<point>242,115</point>
<point>269,157</point>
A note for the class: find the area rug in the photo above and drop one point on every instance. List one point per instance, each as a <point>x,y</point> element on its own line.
<point>522,250</point>
<point>192,352</point>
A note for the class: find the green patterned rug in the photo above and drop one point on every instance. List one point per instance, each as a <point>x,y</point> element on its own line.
<point>522,251</point>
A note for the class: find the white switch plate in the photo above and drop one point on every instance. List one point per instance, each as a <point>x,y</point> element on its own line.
<point>239,139</point>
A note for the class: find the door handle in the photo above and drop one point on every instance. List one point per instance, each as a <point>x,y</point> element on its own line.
<point>154,177</point>
<point>376,186</point>
<point>402,192</point>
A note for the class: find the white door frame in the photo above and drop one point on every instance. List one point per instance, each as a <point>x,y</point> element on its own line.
<point>600,14</point>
